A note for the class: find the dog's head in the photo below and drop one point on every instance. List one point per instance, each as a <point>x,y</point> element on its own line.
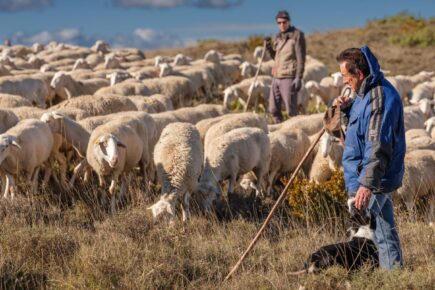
<point>360,223</point>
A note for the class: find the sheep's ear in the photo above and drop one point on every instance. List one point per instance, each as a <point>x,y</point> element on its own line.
<point>15,143</point>
<point>120,144</point>
<point>98,141</point>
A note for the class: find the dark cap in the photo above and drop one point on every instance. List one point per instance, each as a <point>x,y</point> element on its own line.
<point>283,14</point>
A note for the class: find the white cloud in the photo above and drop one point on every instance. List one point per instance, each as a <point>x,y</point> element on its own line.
<point>19,5</point>
<point>143,38</point>
<point>162,4</point>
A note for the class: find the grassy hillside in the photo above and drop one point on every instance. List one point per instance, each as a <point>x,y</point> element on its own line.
<point>404,44</point>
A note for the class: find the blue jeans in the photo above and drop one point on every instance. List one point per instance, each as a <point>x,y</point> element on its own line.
<point>386,236</point>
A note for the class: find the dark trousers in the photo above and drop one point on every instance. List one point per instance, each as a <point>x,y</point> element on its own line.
<point>282,90</point>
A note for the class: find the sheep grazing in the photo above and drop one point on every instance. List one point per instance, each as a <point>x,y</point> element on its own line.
<point>287,149</point>
<point>413,118</point>
<point>235,121</point>
<point>118,77</point>
<point>13,101</point>
<point>81,64</point>
<point>66,87</point>
<point>206,124</point>
<point>8,119</point>
<point>33,89</point>
<point>327,160</point>
<point>24,148</point>
<point>72,133</point>
<point>422,91</point>
<point>418,180</point>
<point>178,157</point>
<point>181,59</point>
<point>98,105</point>
<point>258,51</point>
<point>114,149</point>
<point>101,46</point>
<point>212,56</point>
<point>240,91</point>
<point>234,153</point>
<point>310,124</point>
<point>418,139</point>
<point>324,91</point>
<point>111,62</point>
<point>248,70</point>
<point>314,70</point>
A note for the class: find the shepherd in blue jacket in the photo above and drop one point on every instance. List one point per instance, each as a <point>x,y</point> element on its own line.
<point>373,158</point>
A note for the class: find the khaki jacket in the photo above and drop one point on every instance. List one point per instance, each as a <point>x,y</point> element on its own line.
<point>289,53</point>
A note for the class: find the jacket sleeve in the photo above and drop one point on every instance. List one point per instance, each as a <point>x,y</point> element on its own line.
<point>300,55</point>
<point>378,141</point>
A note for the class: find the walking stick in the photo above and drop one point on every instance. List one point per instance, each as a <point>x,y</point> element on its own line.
<point>255,79</point>
<point>277,204</point>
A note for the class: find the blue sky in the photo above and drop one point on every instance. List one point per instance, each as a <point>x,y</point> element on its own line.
<point>172,23</point>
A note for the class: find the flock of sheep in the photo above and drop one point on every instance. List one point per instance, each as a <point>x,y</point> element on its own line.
<point>114,111</point>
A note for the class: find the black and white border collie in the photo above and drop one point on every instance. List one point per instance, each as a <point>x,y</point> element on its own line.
<point>351,255</point>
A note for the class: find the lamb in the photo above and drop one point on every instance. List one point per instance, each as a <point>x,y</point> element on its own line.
<point>101,47</point>
<point>153,104</point>
<point>248,70</point>
<point>72,133</point>
<point>178,157</point>
<point>81,64</point>
<point>233,122</point>
<point>111,62</point>
<point>13,101</point>
<point>418,139</point>
<point>258,52</point>
<point>418,180</point>
<point>8,119</point>
<point>430,127</point>
<point>413,118</point>
<point>327,160</point>
<point>114,149</point>
<point>98,105</point>
<point>314,70</point>
<point>33,89</point>
<point>118,77</point>
<point>212,56</point>
<point>324,91</point>
<point>181,59</point>
<point>287,149</point>
<point>422,91</point>
<point>24,148</point>
<point>310,124</point>
<point>235,153</point>
<point>206,124</point>
<point>231,71</point>
<point>66,87</point>
<point>241,91</point>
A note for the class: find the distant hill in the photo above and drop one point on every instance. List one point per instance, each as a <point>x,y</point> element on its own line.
<point>404,44</point>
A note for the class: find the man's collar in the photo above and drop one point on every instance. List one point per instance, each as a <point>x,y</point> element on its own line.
<point>365,86</point>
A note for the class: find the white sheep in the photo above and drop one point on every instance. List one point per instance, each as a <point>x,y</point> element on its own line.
<point>114,149</point>
<point>235,153</point>
<point>117,77</point>
<point>212,56</point>
<point>232,122</point>
<point>181,59</point>
<point>66,87</point>
<point>424,90</point>
<point>310,124</point>
<point>258,51</point>
<point>287,149</point>
<point>314,70</point>
<point>81,64</point>
<point>13,101</point>
<point>413,118</point>
<point>24,148</point>
<point>111,62</point>
<point>101,46</point>
<point>240,91</point>
<point>248,70</point>
<point>8,119</point>
<point>178,158</point>
<point>324,91</point>
<point>418,139</point>
<point>206,124</point>
<point>418,180</point>
<point>327,160</point>
<point>33,89</point>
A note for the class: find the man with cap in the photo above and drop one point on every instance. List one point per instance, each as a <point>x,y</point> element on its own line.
<point>288,50</point>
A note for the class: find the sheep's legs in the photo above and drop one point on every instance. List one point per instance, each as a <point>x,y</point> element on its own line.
<point>61,159</point>
<point>10,185</point>
<point>83,165</point>
<point>185,207</point>
<point>35,181</point>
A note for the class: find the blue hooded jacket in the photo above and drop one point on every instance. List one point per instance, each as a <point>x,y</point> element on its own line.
<point>375,139</point>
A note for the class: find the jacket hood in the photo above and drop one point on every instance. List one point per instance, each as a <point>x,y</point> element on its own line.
<point>375,69</point>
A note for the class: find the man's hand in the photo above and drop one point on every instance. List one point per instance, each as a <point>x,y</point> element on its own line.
<point>362,197</point>
<point>268,40</point>
<point>297,84</point>
<point>342,102</point>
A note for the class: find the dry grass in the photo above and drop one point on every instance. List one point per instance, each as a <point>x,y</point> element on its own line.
<point>47,244</point>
